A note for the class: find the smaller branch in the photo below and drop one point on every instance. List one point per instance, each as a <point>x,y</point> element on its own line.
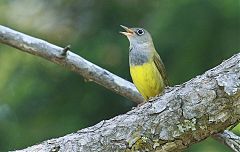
<point>64,57</point>
<point>230,139</point>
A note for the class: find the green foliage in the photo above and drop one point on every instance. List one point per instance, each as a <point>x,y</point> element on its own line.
<point>40,100</point>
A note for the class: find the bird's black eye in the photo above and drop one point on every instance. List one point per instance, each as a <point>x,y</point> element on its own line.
<point>140,32</point>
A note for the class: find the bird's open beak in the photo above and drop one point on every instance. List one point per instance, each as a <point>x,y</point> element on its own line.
<point>128,32</point>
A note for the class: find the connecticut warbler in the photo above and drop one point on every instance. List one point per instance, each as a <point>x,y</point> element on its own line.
<point>146,67</point>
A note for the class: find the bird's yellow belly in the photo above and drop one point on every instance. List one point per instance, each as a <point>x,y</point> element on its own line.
<point>147,79</point>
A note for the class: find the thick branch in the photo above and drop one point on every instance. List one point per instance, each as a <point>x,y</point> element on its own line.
<point>180,117</point>
<point>72,61</point>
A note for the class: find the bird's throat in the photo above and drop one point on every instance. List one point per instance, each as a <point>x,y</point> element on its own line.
<point>138,57</point>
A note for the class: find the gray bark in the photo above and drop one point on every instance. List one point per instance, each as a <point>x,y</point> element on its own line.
<point>181,116</point>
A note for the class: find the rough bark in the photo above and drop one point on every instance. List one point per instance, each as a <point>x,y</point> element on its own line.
<point>183,115</point>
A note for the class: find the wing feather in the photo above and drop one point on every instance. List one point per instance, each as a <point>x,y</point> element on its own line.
<point>161,68</point>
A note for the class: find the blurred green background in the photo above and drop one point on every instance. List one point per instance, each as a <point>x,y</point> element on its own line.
<point>40,100</point>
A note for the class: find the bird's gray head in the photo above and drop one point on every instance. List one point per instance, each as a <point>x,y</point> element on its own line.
<point>137,36</point>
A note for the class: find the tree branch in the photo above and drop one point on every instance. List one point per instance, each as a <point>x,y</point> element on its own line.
<point>230,139</point>
<point>70,60</point>
<point>180,117</point>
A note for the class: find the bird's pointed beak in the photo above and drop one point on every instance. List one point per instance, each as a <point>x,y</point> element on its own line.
<point>128,31</point>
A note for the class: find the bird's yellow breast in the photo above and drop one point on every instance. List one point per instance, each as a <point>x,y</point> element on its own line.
<point>147,79</point>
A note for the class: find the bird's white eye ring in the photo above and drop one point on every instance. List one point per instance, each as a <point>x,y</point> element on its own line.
<point>140,32</point>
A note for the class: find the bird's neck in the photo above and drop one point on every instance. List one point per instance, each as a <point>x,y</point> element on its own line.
<point>142,46</point>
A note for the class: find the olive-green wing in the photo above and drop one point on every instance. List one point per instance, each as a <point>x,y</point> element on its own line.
<point>160,66</point>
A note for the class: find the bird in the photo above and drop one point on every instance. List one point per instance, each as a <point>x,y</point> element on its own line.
<point>146,67</point>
